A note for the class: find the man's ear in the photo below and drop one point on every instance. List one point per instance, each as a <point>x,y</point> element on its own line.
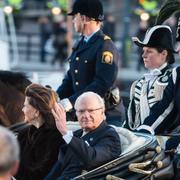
<point>36,113</point>
<point>14,168</point>
<point>164,52</point>
<point>104,117</point>
<point>85,19</point>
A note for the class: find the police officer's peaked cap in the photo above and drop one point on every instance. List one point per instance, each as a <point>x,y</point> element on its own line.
<point>90,8</point>
<point>157,36</point>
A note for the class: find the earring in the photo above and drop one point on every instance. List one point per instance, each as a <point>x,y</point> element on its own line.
<point>35,115</point>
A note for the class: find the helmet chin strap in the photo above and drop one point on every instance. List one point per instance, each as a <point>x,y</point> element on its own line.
<point>82,25</point>
<point>82,29</point>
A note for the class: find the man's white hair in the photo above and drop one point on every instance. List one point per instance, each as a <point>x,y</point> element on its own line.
<point>90,94</point>
<point>9,150</point>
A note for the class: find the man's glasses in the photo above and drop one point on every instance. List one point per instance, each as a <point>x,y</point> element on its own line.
<point>81,111</point>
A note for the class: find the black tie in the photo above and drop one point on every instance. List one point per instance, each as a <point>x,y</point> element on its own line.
<point>83,42</point>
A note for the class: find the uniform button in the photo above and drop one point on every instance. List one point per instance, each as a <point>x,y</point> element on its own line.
<point>77,83</point>
<point>69,60</point>
<point>76,71</point>
<point>77,58</point>
<point>85,61</point>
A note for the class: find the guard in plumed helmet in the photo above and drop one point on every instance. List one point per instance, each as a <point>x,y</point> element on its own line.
<point>93,62</point>
<point>147,92</point>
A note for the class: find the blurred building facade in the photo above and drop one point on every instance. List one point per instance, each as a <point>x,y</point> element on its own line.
<point>123,19</point>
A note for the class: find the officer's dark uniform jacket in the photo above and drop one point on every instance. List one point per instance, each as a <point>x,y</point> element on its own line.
<point>86,152</point>
<point>160,118</point>
<point>93,67</point>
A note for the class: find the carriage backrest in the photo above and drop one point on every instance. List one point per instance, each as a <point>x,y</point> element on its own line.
<point>129,141</point>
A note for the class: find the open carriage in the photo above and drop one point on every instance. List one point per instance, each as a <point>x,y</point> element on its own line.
<point>141,158</point>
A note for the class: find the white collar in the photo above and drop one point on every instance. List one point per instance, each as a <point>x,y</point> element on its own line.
<point>87,38</point>
<point>160,68</point>
<point>154,72</point>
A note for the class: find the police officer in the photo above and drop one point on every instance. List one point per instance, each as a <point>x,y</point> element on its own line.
<point>94,59</point>
<point>143,112</point>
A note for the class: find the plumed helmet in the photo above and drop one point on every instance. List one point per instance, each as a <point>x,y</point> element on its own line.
<point>158,36</point>
<point>90,8</point>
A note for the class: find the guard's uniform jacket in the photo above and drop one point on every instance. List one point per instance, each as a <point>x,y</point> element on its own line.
<point>156,120</point>
<point>93,67</point>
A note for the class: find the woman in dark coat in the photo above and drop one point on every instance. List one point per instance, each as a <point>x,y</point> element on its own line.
<point>39,142</point>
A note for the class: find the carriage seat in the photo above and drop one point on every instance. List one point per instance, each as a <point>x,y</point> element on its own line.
<point>129,141</point>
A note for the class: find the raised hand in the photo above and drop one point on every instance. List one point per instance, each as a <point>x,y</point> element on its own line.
<point>60,118</point>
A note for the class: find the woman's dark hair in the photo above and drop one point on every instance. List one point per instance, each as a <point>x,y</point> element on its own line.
<point>170,56</point>
<point>43,99</point>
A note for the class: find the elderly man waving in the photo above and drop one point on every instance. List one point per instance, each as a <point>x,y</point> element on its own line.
<point>93,145</point>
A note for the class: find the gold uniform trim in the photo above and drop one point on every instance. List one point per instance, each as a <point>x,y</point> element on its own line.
<point>107,57</point>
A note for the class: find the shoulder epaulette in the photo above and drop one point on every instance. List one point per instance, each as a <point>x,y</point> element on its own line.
<point>106,37</point>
